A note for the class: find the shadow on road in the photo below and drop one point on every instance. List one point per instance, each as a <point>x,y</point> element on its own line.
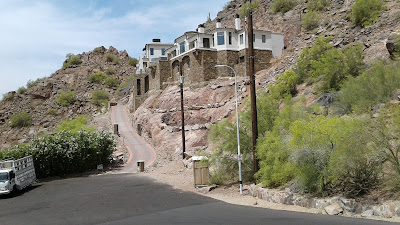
<point>17,193</point>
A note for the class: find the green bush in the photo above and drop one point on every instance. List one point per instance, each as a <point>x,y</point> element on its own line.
<point>71,60</point>
<point>328,67</point>
<point>32,83</point>
<point>74,125</point>
<point>23,119</point>
<point>109,71</point>
<point>308,55</point>
<point>100,97</point>
<point>8,96</point>
<point>21,90</point>
<point>275,168</point>
<point>285,84</point>
<point>272,148</point>
<point>52,112</point>
<point>66,152</point>
<point>317,5</point>
<point>283,6</point>
<point>366,12</point>
<point>223,134</point>
<point>98,77</point>
<point>111,82</point>
<point>112,58</point>
<point>310,20</point>
<point>133,61</point>
<point>66,99</point>
<point>331,152</point>
<point>356,93</point>
<point>96,50</point>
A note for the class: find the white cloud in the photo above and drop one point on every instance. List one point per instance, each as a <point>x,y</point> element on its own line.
<point>36,35</point>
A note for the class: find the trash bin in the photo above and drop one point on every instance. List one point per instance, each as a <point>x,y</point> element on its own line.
<point>200,170</point>
<point>140,166</point>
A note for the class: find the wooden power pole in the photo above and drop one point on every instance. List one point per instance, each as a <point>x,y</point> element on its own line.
<point>250,54</point>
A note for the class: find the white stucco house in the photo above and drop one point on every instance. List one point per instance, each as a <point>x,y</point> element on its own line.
<point>153,52</point>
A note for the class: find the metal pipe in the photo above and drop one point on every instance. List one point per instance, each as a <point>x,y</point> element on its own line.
<point>237,129</point>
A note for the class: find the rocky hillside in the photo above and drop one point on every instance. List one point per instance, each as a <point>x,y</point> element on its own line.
<point>39,101</point>
<point>160,117</point>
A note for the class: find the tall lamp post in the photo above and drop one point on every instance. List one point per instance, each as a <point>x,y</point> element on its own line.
<point>183,117</point>
<point>237,128</point>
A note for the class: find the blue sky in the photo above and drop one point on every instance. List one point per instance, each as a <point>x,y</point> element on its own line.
<point>37,34</point>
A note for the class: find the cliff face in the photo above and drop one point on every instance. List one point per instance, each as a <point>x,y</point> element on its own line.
<point>39,99</point>
<point>160,114</point>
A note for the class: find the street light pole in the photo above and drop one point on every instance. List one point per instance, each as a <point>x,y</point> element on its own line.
<point>183,117</point>
<point>237,129</point>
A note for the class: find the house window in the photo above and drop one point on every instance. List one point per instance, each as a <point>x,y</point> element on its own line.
<point>241,39</point>
<point>138,87</point>
<point>241,59</point>
<point>188,64</point>
<point>146,84</point>
<point>230,38</point>
<point>220,38</point>
<point>254,38</point>
<point>206,42</point>
<point>163,51</point>
<point>182,47</point>
<point>151,51</point>
<point>264,39</point>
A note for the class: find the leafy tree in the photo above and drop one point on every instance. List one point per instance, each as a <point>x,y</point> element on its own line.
<point>21,90</point>
<point>285,85</point>
<point>133,61</point>
<point>248,7</point>
<point>366,12</point>
<point>308,55</point>
<point>65,152</point>
<point>356,93</point>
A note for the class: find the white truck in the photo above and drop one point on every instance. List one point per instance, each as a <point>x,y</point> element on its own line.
<point>16,174</point>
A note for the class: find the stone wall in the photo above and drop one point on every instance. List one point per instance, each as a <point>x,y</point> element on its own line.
<point>332,206</point>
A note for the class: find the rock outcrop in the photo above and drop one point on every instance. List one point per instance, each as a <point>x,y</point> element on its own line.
<point>41,97</point>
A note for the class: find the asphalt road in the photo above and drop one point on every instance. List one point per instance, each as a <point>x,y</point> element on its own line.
<point>137,147</point>
<point>134,199</point>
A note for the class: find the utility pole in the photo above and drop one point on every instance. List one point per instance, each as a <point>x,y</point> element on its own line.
<point>182,112</point>
<point>250,54</point>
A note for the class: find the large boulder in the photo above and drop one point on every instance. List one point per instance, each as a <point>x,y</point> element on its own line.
<point>42,91</point>
<point>393,45</point>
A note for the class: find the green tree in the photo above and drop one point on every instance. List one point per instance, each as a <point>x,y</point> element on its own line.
<point>317,5</point>
<point>366,12</point>
<point>248,7</point>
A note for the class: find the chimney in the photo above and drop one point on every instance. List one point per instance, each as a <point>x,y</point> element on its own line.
<point>156,40</point>
<point>201,28</point>
<point>218,25</point>
<point>237,22</point>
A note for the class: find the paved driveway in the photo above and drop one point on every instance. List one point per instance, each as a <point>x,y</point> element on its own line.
<point>137,147</point>
<point>131,198</point>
